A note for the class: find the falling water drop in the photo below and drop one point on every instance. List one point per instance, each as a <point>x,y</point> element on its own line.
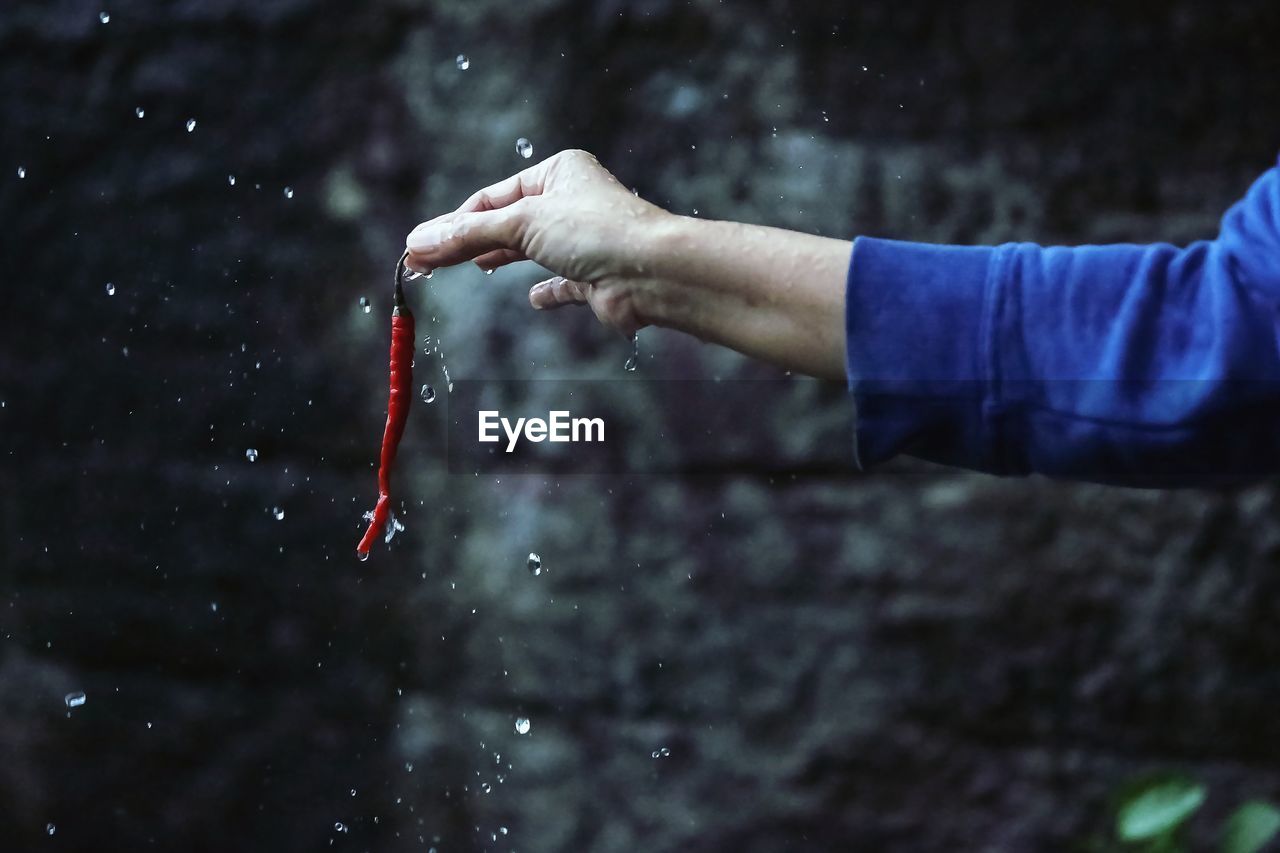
<point>524,148</point>
<point>278,513</point>
<point>462,62</point>
<point>634,361</point>
<point>111,289</point>
<point>362,555</point>
<point>339,826</point>
<point>251,454</point>
<point>288,192</point>
<point>231,180</point>
<point>522,725</point>
<point>104,17</point>
<point>535,564</point>
<point>364,303</point>
<point>22,172</point>
<point>139,112</point>
<point>191,125</point>
<point>428,394</point>
<point>661,753</point>
<point>74,699</point>
<point>50,828</point>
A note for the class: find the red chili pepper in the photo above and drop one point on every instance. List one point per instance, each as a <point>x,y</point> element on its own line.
<point>397,409</point>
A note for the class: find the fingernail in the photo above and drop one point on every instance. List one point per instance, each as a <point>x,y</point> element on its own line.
<point>424,238</point>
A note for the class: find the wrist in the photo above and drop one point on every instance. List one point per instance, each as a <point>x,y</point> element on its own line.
<point>665,252</point>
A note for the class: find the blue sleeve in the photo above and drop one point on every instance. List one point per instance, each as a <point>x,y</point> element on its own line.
<point>1143,365</point>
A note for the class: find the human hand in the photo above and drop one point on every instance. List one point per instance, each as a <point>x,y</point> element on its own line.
<point>567,213</point>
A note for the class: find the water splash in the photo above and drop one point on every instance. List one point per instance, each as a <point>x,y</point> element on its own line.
<point>394,526</point>
<point>634,361</point>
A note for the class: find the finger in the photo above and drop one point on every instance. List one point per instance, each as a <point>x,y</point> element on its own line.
<point>500,258</point>
<point>508,191</point>
<point>467,236</point>
<point>418,265</point>
<point>557,292</point>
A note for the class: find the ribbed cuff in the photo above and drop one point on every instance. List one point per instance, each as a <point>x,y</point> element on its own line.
<point>917,352</point>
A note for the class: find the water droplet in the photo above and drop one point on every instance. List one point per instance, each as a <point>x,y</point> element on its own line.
<point>111,289</point>
<point>362,555</point>
<point>251,454</point>
<point>22,172</point>
<point>139,112</point>
<point>104,17</point>
<point>502,829</point>
<point>231,180</point>
<point>522,725</point>
<point>661,753</point>
<point>191,125</point>
<point>364,303</point>
<point>278,512</point>
<point>339,826</point>
<point>535,564</point>
<point>524,148</point>
<point>213,606</point>
<point>288,192</point>
<point>428,394</point>
<point>408,766</point>
<point>634,361</point>
<point>462,62</point>
<point>50,828</point>
<point>488,272</point>
<point>74,699</point>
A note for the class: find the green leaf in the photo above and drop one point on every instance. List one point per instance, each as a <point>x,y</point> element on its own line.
<point>1158,809</point>
<point>1250,827</point>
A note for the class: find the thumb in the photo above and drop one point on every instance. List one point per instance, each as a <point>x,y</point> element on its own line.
<point>466,236</point>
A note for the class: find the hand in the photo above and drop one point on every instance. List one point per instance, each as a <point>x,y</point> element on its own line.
<point>567,213</point>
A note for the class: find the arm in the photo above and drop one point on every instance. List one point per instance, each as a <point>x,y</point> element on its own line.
<point>1138,364</point>
<point>772,294</point>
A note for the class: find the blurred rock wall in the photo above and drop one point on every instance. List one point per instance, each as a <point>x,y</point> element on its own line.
<point>914,659</point>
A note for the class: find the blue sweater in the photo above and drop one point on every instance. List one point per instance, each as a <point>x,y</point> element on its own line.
<point>1142,365</point>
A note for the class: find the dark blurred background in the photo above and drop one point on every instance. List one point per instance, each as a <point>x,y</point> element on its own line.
<point>925,661</point>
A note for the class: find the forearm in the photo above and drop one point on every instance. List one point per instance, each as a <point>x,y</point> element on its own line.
<point>771,294</point>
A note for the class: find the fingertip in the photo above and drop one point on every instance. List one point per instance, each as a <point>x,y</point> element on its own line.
<point>540,295</point>
<point>417,263</point>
